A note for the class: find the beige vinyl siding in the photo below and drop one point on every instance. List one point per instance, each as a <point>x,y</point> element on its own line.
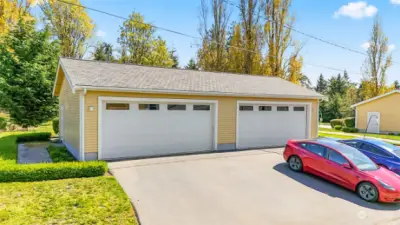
<point>387,106</point>
<point>71,104</point>
<point>226,114</point>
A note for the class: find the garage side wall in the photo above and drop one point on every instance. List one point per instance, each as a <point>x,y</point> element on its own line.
<point>388,107</point>
<point>70,102</point>
<point>227,107</point>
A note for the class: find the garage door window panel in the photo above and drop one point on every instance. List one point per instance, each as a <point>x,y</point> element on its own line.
<point>299,109</point>
<point>201,107</point>
<point>117,106</point>
<point>246,108</point>
<point>282,108</point>
<point>176,107</point>
<point>265,108</point>
<point>150,107</point>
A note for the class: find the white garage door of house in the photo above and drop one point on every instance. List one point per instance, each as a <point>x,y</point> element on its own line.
<point>263,124</point>
<point>146,128</point>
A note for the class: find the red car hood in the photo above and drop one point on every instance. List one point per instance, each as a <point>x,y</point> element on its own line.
<point>386,176</point>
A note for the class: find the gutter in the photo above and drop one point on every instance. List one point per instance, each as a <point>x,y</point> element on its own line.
<point>182,92</point>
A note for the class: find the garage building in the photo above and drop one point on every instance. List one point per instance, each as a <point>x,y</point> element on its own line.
<point>113,111</point>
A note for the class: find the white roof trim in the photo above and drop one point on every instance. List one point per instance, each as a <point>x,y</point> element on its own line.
<point>166,91</point>
<point>375,98</point>
<point>60,65</point>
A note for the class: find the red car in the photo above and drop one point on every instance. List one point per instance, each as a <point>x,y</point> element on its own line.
<point>345,166</point>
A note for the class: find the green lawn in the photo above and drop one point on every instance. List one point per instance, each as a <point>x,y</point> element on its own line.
<point>338,136</point>
<point>384,136</point>
<point>97,200</point>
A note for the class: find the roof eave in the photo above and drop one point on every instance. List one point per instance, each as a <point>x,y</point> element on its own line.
<point>166,91</point>
<point>375,98</point>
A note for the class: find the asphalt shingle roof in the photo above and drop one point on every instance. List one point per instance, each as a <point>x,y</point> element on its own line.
<point>86,73</point>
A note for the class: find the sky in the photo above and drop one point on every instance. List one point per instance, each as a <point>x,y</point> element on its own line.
<point>347,23</point>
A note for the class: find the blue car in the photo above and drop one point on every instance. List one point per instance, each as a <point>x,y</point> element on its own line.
<point>382,153</point>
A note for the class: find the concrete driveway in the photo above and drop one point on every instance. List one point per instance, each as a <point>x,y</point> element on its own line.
<point>249,187</point>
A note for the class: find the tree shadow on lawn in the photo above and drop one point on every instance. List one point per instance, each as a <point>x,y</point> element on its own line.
<point>331,189</point>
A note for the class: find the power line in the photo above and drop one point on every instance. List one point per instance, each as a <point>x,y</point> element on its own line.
<point>187,35</point>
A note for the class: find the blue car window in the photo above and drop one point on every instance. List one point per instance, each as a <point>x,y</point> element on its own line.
<point>336,157</point>
<point>374,150</point>
<point>354,144</point>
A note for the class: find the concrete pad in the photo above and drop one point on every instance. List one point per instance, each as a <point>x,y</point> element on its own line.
<point>35,152</point>
<point>248,187</point>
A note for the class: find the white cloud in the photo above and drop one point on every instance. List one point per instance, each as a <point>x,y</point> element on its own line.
<point>395,2</point>
<point>391,47</point>
<point>100,33</point>
<point>357,10</point>
<point>366,46</point>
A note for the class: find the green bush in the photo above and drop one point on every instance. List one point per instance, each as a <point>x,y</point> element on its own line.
<point>51,171</point>
<point>3,123</point>
<point>56,125</point>
<point>336,122</point>
<point>349,129</point>
<point>349,122</point>
<point>391,133</point>
<point>338,127</point>
<point>42,136</point>
<point>60,154</point>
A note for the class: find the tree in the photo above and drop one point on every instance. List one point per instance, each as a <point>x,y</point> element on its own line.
<point>305,81</point>
<point>322,85</point>
<point>396,85</point>
<point>293,73</point>
<point>337,85</point>
<point>278,37</point>
<point>70,24</point>
<point>250,14</point>
<point>140,45</point>
<point>377,62</point>
<point>103,52</point>
<point>174,57</point>
<point>350,98</point>
<point>28,65</point>
<point>212,55</point>
<point>191,65</point>
<point>236,54</point>
<point>12,11</point>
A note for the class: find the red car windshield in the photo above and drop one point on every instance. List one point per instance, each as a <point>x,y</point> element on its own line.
<point>361,161</point>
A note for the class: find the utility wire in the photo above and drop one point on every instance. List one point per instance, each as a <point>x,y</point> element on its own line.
<point>188,35</point>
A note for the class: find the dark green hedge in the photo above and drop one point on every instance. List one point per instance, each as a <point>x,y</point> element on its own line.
<point>3,123</point>
<point>60,154</point>
<point>336,122</point>
<point>349,129</point>
<point>338,127</point>
<point>42,136</point>
<point>349,122</point>
<point>56,125</point>
<point>51,171</point>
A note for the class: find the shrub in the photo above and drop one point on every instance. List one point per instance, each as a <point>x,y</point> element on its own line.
<point>336,122</point>
<point>391,133</point>
<point>338,127</point>
<point>56,125</point>
<point>60,154</point>
<point>3,123</point>
<point>42,136</point>
<point>349,129</point>
<point>51,171</point>
<point>349,122</point>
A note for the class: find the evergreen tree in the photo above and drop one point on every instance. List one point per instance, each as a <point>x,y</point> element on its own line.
<point>28,61</point>
<point>322,85</point>
<point>174,57</point>
<point>396,85</point>
<point>191,65</point>
<point>103,52</point>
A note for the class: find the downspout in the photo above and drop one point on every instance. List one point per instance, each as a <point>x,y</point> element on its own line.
<point>82,123</point>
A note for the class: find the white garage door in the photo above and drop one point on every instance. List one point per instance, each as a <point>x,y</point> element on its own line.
<point>134,129</point>
<point>263,125</point>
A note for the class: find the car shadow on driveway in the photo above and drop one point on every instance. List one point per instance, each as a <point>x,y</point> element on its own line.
<point>331,189</point>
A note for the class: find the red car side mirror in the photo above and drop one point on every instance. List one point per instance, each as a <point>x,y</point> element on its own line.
<point>347,166</point>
